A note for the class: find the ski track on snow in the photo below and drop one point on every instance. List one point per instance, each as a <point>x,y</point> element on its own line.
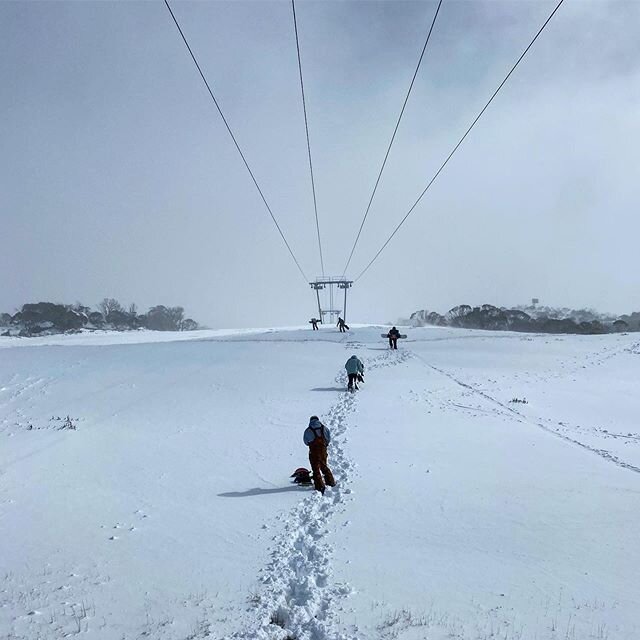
<point>297,598</point>
<point>603,453</point>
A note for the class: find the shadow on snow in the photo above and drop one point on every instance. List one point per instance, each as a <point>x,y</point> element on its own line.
<point>261,492</point>
<point>328,389</point>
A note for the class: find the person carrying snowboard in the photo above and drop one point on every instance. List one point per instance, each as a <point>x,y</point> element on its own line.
<point>314,323</point>
<point>342,325</point>
<point>354,369</point>
<point>317,437</point>
<point>393,336</point>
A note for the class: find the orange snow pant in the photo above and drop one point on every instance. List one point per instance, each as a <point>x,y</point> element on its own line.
<point>318,459</point>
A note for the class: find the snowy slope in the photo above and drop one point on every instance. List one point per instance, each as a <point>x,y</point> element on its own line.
<point>168,512</point>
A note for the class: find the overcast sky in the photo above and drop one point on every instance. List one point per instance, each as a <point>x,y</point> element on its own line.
<point>119,179</point>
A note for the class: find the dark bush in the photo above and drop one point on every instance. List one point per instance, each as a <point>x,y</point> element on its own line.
<point>161,318</point>
<point>620,325</point>
<point>189,325</point>
<point>519,320</point>
<point>553,325</point>
<point>48,317</point>
<point>545,320</point>
<point>44,315</point>
<point>96,319</point>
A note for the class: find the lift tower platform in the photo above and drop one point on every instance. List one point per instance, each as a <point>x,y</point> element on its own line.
<point>328,283</point>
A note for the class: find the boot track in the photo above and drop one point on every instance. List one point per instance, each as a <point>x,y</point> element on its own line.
<point>298,599</point>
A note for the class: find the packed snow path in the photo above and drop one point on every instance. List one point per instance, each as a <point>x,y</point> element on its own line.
<point>168,513</point>
<point>297,597</point>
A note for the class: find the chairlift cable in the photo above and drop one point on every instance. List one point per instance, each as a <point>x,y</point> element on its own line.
<point>444,164</point>
<point>393,137</point>
<point>306,127</point>
<point>246,164</point>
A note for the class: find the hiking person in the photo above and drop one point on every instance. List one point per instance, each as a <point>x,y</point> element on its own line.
<point>354,369</point>
<point>393,336</point>
<point>342,325</point>
<point>314,323</point>
<point>317,437</point>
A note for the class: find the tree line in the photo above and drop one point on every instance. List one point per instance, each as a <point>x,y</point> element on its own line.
<point>533,320</point>
<point>49,317</point>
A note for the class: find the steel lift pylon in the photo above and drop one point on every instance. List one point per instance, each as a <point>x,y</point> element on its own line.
<point>328,282</point>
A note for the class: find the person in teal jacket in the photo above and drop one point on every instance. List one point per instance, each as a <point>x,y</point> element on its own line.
<point>354,368</point>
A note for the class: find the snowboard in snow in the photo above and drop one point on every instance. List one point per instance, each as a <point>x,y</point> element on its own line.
<point>384,335</point>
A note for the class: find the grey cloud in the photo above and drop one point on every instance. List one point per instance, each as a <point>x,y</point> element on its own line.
<point>119,179</point>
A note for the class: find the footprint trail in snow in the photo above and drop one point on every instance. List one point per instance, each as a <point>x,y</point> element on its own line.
<point>298,598</point>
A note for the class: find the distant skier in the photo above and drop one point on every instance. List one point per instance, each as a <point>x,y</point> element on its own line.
<point>354,369</point>
<point>342,325</point>
<point>393,336</point>
<point>317,437</point>
<point>314,323</point>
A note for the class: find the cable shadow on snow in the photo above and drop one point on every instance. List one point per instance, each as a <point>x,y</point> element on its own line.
<point>257,491</point>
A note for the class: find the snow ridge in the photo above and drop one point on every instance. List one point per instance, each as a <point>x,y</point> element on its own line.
<point>297,599</point>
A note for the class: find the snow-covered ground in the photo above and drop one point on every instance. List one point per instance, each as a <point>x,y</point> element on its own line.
<point>168,511</point>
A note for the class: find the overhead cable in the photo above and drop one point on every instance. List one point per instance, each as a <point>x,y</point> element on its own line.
<point>393,137</point>
<point>444,164</point>
<point>235,142</point>
<point>306,127</point>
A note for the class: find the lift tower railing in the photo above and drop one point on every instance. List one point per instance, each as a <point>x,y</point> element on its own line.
<point>328,282</point>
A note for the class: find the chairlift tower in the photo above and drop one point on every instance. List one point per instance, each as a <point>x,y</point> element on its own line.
<point>328,283</point>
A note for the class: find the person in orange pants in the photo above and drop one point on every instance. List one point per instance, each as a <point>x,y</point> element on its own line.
<point>317,437</point>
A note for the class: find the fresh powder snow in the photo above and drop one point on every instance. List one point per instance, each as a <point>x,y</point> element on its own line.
<point>488,486</point>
